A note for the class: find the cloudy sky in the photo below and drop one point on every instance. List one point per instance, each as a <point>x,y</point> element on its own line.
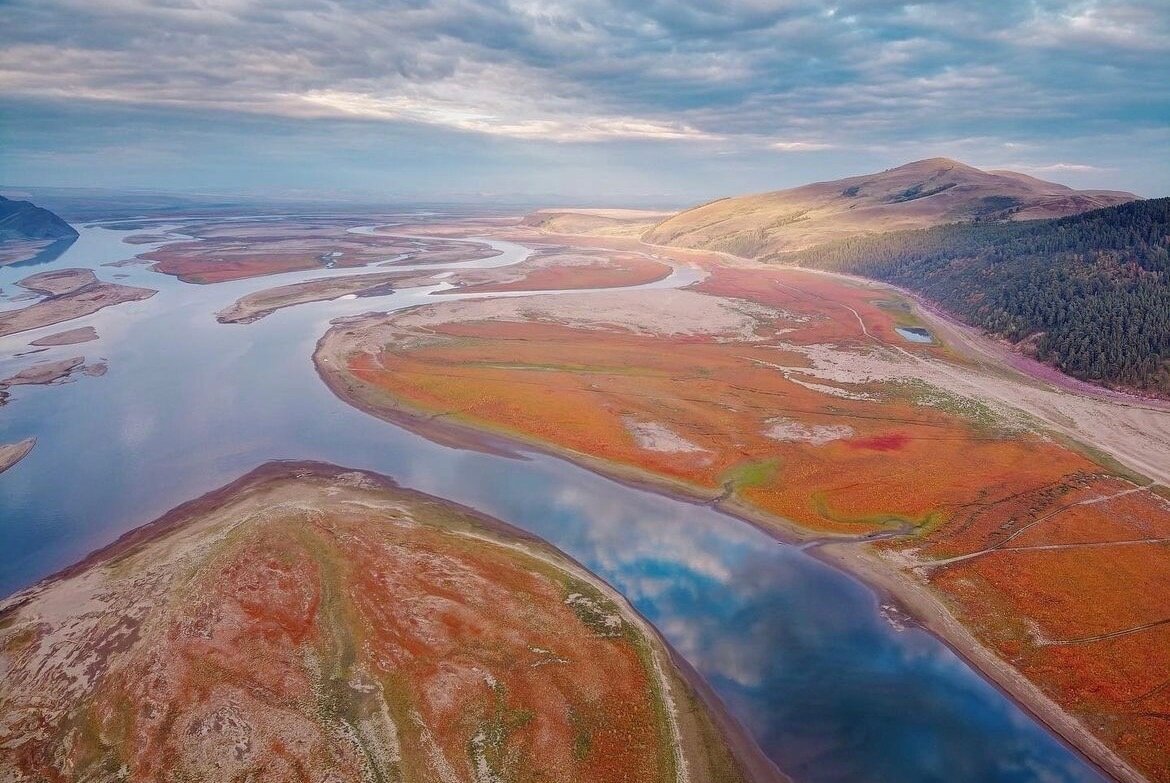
<point>614,101</point>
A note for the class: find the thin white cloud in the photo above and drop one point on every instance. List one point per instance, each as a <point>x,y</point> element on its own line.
<point>801,146</point>
<point>492,99</point>
<point>1121,26</point>
<point>477,119</point>
<point>1056,168</point>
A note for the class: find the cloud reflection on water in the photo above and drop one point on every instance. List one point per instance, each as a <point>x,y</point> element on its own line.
<point>796,649</point>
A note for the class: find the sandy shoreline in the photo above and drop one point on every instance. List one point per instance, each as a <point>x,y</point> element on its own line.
<point>82,334</point>
<point>926,608</point>
<point>841,552</point>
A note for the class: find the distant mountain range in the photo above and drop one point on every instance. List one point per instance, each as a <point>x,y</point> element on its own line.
<point>917,195</point>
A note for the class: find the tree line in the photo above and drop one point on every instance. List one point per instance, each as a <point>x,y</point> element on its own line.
<point>1089,293</point>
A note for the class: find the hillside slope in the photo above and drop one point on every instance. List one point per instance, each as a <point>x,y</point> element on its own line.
<point>23,220</point>
<point>1089,294</point>
<point>917,195</point>
<point>30,234</point>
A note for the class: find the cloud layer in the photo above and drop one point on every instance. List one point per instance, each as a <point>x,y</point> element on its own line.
<point>769,76</point>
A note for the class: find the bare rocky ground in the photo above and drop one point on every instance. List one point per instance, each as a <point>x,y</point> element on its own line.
<point>69,294</point>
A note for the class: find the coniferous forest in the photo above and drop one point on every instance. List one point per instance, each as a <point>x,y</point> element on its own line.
<point>1089,294</point>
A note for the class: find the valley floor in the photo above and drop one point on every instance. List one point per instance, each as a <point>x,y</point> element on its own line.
<point>1026,524</point>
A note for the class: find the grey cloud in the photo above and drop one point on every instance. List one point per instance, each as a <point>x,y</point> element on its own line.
<point>754,67</point>
<point>782,78</point>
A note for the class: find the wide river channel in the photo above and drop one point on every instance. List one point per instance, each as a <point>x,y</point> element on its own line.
<point>802,654</point>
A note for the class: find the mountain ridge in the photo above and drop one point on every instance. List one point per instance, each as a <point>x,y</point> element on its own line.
<point>25,221</point>
<point>30,234</point>
<point>919,194</point>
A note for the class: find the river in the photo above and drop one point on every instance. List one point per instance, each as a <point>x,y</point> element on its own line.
<point>801,653</point>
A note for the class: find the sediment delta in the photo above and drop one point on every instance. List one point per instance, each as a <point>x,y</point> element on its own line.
<point>563,268</point>
<point>44,373</point>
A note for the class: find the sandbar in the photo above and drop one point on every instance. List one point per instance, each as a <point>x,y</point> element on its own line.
<point>12,453</point>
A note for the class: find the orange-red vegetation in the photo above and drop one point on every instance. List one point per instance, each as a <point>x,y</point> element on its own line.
<point>837,310</point>
<point>1068,582</point>
<point>586,389</point>
<point>1054,560</point>
<point>314,624</point>
<point>606,270</point>
<point>196,263</point>
<point>891,442</point>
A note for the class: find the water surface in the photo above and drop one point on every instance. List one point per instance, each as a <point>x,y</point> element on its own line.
<point>798,651</point>
<point>914,334</point>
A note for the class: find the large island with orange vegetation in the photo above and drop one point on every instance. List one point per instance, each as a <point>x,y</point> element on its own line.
<point>309,622</point>
<point>835,411</point>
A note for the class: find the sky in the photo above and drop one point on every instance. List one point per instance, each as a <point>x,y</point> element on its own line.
<point>620,102</point>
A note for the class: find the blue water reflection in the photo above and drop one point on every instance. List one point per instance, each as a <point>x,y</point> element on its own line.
<point>798,650</point>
